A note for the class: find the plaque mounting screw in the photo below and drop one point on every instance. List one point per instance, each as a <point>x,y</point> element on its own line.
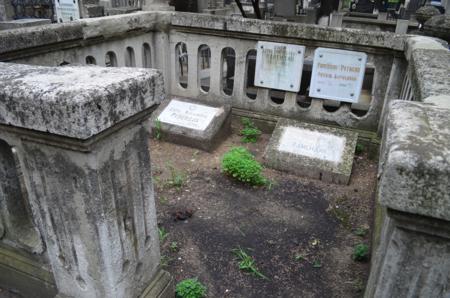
<point>292,86</point>
<point>299,52</point>
<point>352,94</point>
<point>320,56</point>
<point>318,90</point>
<point>262,47</point>
<point>262,82</point>
<point>359,59</point>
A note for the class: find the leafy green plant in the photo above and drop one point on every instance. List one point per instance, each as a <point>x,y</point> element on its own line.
<point>359,149</point>
<point>165,261</point>
<point>162,234</point>
<point>190,288</point>
<point>361,252</point>
<point>247,263</point>
<point>241,165</point>
<point>250,133</point>
<point>158,132</point>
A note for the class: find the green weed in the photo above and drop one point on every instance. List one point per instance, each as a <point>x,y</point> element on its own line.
<point>361,252</point>
<point>247,263</point>
<point>250,133</point>
<point>162,234</point>
<point>158,132</point>
<point>174,246</point>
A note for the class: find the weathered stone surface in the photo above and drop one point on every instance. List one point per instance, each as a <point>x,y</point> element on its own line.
<point>205,138</point>
<point>442,101</point>
<point>438,26</point>
<point>76,102</point>
<point>416,161</point>
<point>413,259</point>
<point>17,39</point>
<point>429,63</point>
<point>21,23</point>
<point>329,159</point>
<point>292,30</point>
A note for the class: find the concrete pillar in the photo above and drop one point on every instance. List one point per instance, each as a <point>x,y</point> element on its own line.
<point>413,258</point>
<point>156,5</point>
<point>83,148</point>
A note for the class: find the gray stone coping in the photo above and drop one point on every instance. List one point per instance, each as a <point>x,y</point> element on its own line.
<point>75,102</point>
<point>117,25</point>
<point>415,169</point>
<point>328,171</point>
<point>430,67</point>
<point>386,40</point>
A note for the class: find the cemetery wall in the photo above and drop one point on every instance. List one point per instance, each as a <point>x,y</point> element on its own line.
<point>90,40</point>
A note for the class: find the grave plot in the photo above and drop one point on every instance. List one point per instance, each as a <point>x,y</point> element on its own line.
<point>191,123</point>
<point>302,234</point>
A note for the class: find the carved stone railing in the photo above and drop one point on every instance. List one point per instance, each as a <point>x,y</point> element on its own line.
<point>79,136</point>
<point>150,39</point>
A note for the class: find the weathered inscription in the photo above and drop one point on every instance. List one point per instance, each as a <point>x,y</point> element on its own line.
<point>312,144</point>
<point>337,74</point>
<point>279,66</point>
<point>188,115</point>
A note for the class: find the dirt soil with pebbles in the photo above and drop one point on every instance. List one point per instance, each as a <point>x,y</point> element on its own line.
<point>300,232</point>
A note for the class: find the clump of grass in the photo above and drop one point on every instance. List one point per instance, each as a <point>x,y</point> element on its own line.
<point>177,178</point>
<point>341,215</point>
<point>361,231</point>
<point>162,234</point>
<point>361,252</point>
<point>190,288</point>
<point>241,165</point>
<point>158,132</point>
<point>250,133</point>
<point>247,263</point>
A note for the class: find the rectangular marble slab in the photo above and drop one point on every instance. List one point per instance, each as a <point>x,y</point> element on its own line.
<point>311,150</point>
<point>312,144</point>
<point>190,115</point>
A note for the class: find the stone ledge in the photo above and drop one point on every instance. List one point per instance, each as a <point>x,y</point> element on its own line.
<point>162,286</point>
<point>75,102</point>
<point>415,168</point>
<point>292,30</point>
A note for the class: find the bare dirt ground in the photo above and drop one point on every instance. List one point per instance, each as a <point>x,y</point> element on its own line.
<point>301,232</point>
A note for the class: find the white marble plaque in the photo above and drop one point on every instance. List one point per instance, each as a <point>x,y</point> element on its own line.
<point>337,74</point>
<point>312,144</point>
<point>279,66</point>
<point>190,115</point>
<point>67,10</point>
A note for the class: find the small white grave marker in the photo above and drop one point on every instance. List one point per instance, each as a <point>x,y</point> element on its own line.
<point>312,144</point>
<point>190,115</point>
<point>337,74</point>
<point>279,66</point>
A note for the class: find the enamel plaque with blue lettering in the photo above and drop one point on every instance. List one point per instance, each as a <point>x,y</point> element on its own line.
<point>337,74</point>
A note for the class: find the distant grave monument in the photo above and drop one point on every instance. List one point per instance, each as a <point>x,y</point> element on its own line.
<point>310,150</point>
<point>192,124</point>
